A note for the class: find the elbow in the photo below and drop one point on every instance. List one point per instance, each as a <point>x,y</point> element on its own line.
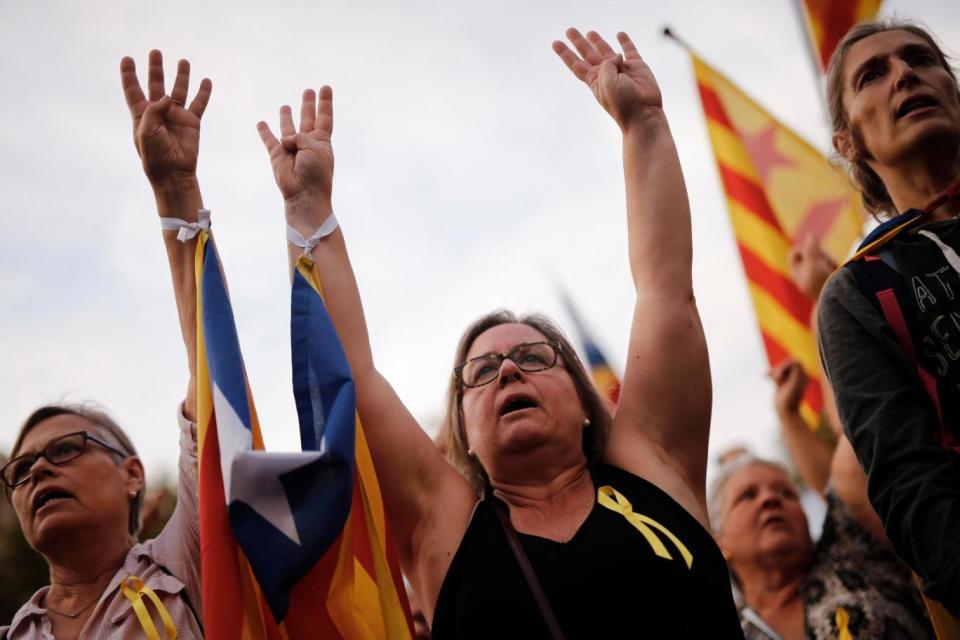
<point>922,531</point>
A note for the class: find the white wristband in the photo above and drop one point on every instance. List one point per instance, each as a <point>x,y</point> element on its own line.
<point>187,230</point>
<point>307,244</point>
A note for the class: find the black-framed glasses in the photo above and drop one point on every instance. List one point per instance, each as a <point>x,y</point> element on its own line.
<point>528,356</point>
<point>58,451</point>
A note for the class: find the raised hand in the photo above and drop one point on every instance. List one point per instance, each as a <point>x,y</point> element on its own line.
<point>166,132</point>
<point>809,266</point>
<point>303,160</point>
<point>791,381</point>
<point>622,83</point>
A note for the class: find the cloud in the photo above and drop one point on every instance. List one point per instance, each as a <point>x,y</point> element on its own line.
<point>472,172</point>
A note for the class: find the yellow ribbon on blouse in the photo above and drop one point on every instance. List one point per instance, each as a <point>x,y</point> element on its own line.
<point>133,589</point>
<point>612,499</point>
<point>843,624</point>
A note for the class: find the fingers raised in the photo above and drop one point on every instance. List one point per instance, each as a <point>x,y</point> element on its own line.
<point>199,103</point>
<point>629,50</point>
<point>600,44</point>
<point>286,122</point>
<point>269,140</point>
<point>130,83</point>
<point>155,76</point>
<point>573,62</point>
<point>586,50</point>
<point>325,112</point>
<point>308,111</point>
<point>180,83</point>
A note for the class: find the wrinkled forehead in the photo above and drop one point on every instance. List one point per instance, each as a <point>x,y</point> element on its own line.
<point>758,473</point>
<point>502,338</point>
<point>56,426</point>
<point>879,46</point>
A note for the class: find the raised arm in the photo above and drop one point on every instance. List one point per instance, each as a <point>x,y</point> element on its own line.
<point>166,133</point>
<point>663,419</point>
<point>811,454</point>
<point>423,494</point>
<point>820,466</point>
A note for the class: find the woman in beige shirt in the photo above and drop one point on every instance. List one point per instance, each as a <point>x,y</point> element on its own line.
<point>74,478</point>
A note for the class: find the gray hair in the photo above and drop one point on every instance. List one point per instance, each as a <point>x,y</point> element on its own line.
<point>107,428</point>
<point>715,495</point>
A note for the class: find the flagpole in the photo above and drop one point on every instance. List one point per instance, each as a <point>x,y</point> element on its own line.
<point>806,34</point>
<point>668,33</point>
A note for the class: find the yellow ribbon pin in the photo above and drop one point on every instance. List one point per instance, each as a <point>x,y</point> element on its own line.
<point>843,624</point>
<point>612,499</point>
<point>133,589</point>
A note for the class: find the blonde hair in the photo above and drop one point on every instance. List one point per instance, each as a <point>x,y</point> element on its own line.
<point>452,431</point>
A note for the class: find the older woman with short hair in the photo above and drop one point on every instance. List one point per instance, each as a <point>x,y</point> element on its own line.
<point>74,478</point>
<point>77,485</point>
<point>848,584</point>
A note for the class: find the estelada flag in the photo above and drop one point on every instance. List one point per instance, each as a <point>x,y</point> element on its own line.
<point>293,545</point>
<point>779,190</point>
<point>606,381</point>
<point>827,21</point>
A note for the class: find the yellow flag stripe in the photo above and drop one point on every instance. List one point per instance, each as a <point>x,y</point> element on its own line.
<point>764,241</point>
<point>730,151</point>
<point>785,329</point>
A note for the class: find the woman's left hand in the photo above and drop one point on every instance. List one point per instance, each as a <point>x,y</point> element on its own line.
<point>622,83</point>
<point>302,160</point>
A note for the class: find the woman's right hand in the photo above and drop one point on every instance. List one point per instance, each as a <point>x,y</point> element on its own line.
<point>810,267</point>
<point>303,161</point>
<point>791,381</point>
<point>166,132</point>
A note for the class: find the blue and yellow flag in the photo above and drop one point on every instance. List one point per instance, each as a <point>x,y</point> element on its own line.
<point>606,381</point>
<point>293,545</point>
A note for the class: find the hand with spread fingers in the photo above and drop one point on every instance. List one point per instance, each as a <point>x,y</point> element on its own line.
<point>303,160</point>
<point>621,82</point>
<point>166,132</point>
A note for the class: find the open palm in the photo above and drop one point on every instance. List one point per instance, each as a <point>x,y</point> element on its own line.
<point>303,160</point>
<point>622,83</point>
<point>166,132</point>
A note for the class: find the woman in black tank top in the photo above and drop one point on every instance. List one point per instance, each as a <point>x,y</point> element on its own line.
<point>591,525</point>
<point>608,581</point>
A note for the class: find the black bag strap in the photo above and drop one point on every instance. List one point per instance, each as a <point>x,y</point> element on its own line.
<point>542,603</point>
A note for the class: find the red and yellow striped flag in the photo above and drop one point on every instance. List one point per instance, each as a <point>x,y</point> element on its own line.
<point>779,190</point>
<point>828,20</point>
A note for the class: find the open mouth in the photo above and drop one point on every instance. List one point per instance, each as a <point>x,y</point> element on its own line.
<point>50,496</point>
<point>517,403</point>
<point>916,103</point>
<point>774,521</point>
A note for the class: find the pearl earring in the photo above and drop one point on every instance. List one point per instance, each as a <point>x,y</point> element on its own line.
<point>586,422</point>
<point>470,453</point>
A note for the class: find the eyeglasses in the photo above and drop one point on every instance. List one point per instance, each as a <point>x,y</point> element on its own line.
<point>59,451</point>
<point>529,356</point>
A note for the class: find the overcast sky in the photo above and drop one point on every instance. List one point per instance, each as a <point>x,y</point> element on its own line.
<point>473,172</point>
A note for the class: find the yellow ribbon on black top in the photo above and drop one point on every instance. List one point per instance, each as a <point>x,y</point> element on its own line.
<point>612,499</point>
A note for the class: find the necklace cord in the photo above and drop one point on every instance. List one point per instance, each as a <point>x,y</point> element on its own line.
<point>950,192</point>
<point>73,616</point>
